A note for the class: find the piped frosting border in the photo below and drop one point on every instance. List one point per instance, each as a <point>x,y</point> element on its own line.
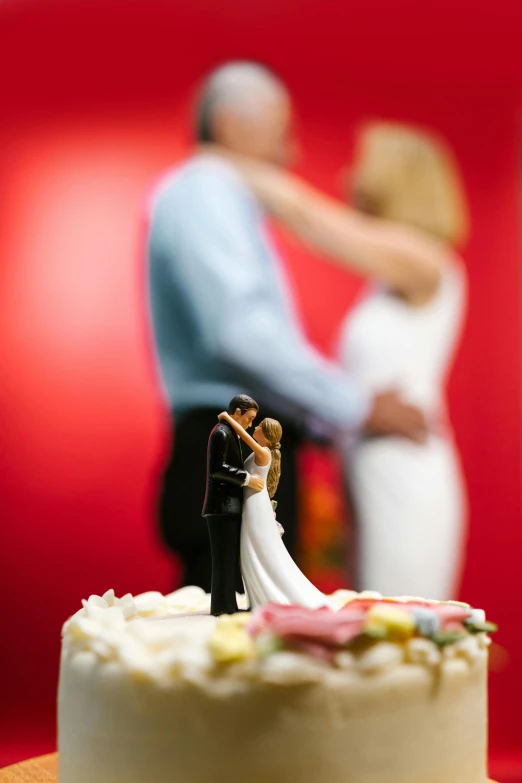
<point>368,635</point>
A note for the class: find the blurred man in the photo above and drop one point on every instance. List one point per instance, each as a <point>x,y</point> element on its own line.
<point>223,317</point>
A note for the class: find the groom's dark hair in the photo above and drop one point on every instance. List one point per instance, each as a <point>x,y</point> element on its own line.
<point>243,402</point>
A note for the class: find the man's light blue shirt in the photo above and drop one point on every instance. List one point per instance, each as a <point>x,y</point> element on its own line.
<point>221,314</point>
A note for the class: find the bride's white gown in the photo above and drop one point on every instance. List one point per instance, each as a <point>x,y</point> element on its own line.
<point>409,500</point>
<point>269,573</point>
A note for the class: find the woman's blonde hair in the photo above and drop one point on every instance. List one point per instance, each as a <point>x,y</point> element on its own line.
<point>406,174</point>
<point>273,432</point>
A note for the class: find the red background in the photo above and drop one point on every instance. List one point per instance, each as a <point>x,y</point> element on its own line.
<point>95,102</point>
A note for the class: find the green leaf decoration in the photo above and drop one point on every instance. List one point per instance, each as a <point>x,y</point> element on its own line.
<point>268,644</point>
<point>480,627</point>
<point>442,638</point>
<point>376,633</point>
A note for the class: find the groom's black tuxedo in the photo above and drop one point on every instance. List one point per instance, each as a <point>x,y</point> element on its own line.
<point>223,508</point>
<point>225,472</point>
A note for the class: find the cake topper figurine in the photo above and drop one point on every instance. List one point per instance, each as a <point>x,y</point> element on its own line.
<point>268,571</point>
<point>223,505</point>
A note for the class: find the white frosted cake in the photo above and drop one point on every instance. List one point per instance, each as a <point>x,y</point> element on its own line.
<point>155,690</point>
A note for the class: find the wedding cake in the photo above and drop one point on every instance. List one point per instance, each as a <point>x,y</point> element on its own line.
<point>153,689</point>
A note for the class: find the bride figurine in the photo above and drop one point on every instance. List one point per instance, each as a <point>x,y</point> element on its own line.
<point>269,573</point>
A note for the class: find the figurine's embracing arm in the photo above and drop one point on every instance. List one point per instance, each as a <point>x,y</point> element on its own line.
<point>261,452</point>
<point>218,467</point>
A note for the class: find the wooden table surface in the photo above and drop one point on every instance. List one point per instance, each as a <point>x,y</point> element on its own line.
<point>41,770</point>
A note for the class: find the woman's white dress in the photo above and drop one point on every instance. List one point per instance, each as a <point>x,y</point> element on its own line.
<point>409,500</point>
<point>269,573</point>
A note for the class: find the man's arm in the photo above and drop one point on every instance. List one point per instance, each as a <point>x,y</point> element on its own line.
<point>218,467</point>
<point>210,229</point>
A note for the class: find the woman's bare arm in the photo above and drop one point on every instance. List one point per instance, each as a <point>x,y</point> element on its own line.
<point>261,452</point>
<point>401,257</point>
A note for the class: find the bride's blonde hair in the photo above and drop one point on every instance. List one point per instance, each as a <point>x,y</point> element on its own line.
<point>410,175</point>
<point>273,432</point>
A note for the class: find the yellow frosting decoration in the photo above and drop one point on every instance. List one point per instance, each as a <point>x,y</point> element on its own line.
<point>230,642</point>
<point>396,623</point>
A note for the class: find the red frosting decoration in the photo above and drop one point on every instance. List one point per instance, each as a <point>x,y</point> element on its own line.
<point>308,626</point>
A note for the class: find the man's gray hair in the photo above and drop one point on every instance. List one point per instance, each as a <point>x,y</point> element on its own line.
<point>242,87</point>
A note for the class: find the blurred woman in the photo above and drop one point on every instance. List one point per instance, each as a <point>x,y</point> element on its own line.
<point>407,218</point>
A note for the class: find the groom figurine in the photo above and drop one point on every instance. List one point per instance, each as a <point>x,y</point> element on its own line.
<point>223,506</point>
